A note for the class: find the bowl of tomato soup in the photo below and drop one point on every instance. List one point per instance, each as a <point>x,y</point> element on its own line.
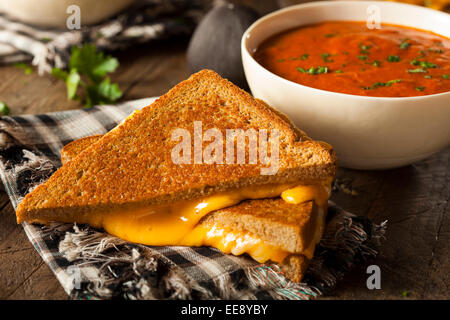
<point>370,78</point>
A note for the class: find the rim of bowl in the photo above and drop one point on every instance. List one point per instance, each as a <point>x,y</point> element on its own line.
<point>280,12</point>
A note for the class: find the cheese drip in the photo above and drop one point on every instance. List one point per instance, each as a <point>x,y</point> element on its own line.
<point>176,224</point>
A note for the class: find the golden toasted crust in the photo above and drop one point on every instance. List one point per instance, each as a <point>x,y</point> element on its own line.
<point>290,227</point>
<point>132,165</point>
<point>294,267</point>
<point>71,150</point>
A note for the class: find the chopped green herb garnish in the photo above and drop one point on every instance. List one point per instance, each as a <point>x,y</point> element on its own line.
<point>345,52</point>
<point>427,76</point>
<point>418,70</point>
<point>312,70</point>
<point>364,49</point>
<point>330,35</point>
<point>4,109</point>
<point>405,293</point>
<point>318,70</point>
<point>364,58</point>
<point>422,54</point>
<point>435,50</point>
<point>302,57</point>
<point>325,57</point>
<point>281,60</point>
<point>338,71</point>
<point>388,84</point>
<point>405,44</point>
<point>392,58</point>
<point>445,76</point>
<point>382,84</point>
<point>420,88</point>
<point>423,64</point>
<point>376,63</point>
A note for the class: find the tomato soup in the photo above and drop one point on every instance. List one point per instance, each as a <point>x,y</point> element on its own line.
<point>347,57</point>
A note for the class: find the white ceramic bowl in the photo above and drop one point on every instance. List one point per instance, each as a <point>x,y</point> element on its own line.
<point>366,132</point>
<point>53,13</point>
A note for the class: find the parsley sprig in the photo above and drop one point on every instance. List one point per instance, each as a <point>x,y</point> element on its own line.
<point>88,69</point>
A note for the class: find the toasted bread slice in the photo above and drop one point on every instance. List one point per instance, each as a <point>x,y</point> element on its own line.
<point>267,230</point>
<point>290,228</point>
<point>71,150</point>
<point>131,166</point>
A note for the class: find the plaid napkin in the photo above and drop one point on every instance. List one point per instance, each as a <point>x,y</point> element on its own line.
<point>91,264</point>
<point>144,21</point>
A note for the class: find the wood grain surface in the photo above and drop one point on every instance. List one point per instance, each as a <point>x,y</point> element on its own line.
<point>415,257</point>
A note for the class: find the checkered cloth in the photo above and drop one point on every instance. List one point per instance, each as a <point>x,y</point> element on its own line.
<point>91,264</point>
<point>145,21</point>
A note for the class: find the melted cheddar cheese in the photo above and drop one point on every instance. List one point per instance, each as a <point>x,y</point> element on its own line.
<point>176,224</point>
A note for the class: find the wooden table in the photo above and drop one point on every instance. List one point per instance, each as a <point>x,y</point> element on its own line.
<point>415,258</point>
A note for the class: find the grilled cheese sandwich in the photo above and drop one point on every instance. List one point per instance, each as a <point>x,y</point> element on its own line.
<point>177,224</point>
<point>125,183</point>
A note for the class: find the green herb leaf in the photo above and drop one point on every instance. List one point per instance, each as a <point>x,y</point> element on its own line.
<point>427,76</point>
<point>325,57</point>
<point>376,63</point>
<point>102,93</point>
<point>91,63</point>
<point>314,71</point>
<point>330,35</point>
<point>422,54</point>
<point>382,84</point>
<point>302,57</point>
<point>405,44</point>
<point>423,64</point>
<point>26,67</point>
<point>388,84</point>
<point>420,88</point>
<point>364,48</point>
<point>72,82</point>
<point>338,71</point>
<point>318,70</point>
<point>59,73</point>
<point>392,58</point>
<point>110,91</point>
<point>4,109</point>
<point>364,58</point>
<point>418,70</point>
<point>445,76</point>
<point>281,60</point>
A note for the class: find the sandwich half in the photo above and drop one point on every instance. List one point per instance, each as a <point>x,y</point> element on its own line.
<point>128,183</point>
<point>267,229</point>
